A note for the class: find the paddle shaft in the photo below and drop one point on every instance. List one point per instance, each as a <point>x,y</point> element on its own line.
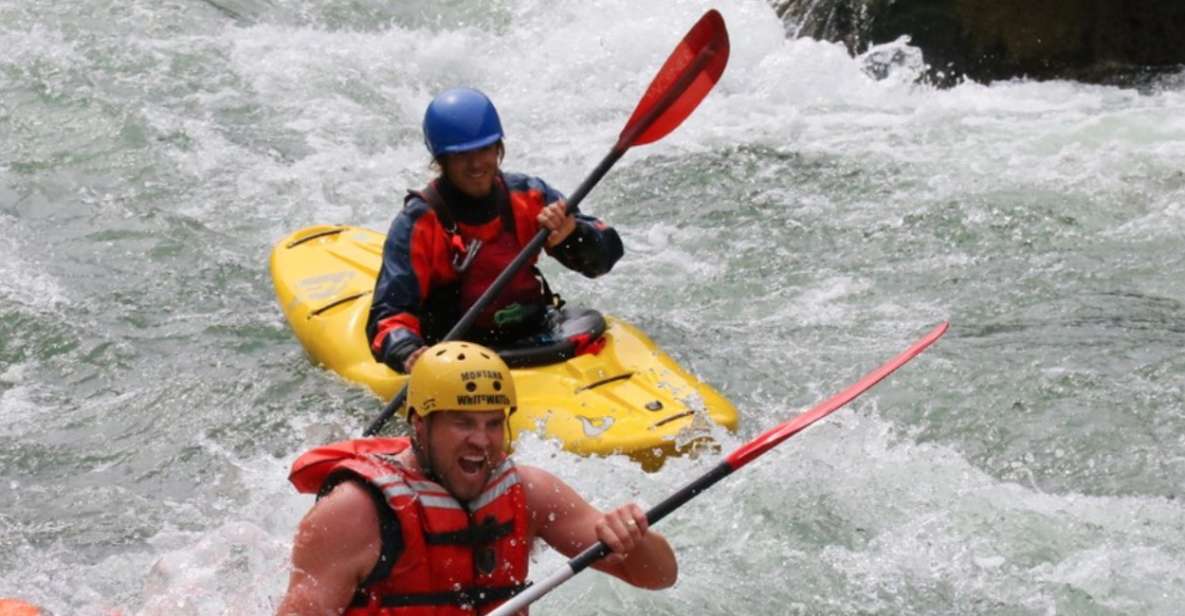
<point>628,135</point>
<point>598,551</point>
<point>741,456</point>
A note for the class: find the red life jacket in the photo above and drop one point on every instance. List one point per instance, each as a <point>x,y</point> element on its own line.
<point>498,243</point>
<point>456,559</point>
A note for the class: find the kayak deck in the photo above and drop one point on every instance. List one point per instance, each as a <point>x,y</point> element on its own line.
<point>629,397</point>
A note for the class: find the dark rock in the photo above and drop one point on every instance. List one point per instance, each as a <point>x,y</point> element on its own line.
<point>1099,41</point>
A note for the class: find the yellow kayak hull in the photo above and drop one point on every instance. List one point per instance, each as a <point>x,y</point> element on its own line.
<point>630,397</point>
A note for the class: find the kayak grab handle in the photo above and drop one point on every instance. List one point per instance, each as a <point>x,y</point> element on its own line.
<point>620,377</point>
<point>313,236</point>
<point>348,298</point>
<point>666,420</point>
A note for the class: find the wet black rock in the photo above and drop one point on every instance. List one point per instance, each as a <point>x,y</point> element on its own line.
<point>1098,41</point>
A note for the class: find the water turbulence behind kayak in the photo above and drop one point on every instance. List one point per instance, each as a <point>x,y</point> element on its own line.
<point>597,384</point>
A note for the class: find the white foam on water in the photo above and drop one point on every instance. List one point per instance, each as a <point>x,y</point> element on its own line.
<point>822,304</point>
<point>946,524</point>
<point>659,248</point>
<point>239,563</point>
<point>35,48</point>
<point>912,528</point>
<point>355,100</point>
<point>23,281</point>
<point>18,401</point>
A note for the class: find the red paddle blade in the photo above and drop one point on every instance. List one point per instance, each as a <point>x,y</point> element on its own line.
<point>779,433</point>
<point>682,82</point>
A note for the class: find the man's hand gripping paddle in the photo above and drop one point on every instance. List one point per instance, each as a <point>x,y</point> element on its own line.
<point>738,458</point>
<point>684,80</point>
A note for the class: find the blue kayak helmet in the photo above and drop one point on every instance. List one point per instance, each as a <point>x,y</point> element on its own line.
<point>460,120</point>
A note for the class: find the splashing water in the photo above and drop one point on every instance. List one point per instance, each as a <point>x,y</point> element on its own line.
<point>813,215</point>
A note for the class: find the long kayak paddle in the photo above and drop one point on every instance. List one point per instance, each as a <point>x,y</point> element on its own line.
<point>738,458</point>
<point>684,80</point>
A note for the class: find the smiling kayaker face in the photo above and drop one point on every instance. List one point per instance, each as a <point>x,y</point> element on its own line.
<point>461,448</point>
<point>463,133</point>
<point>473,172</point>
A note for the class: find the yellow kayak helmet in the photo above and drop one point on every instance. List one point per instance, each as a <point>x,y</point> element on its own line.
<point>460,376</point>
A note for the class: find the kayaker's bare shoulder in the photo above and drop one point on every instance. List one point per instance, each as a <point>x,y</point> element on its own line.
<point>541,487</point>
<point>529,475</point>
<point>551,502</point>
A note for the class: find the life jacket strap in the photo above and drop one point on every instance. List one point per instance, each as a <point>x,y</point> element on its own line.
<point>479,534</point>
<point>431,195</point>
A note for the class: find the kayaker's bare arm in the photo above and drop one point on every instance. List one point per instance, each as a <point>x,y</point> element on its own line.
<point>336,547</point>
<point>567,522</point>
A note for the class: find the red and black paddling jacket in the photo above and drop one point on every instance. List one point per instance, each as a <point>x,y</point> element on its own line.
<point>439,556</point>
<point>432,270</point>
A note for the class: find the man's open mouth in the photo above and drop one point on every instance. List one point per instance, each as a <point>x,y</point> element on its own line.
<point>472,464</point>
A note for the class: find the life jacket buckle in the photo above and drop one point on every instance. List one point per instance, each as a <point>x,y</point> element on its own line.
<point>463,256</point>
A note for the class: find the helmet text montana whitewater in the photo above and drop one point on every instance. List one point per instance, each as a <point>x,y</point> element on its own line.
<point>483,399</point>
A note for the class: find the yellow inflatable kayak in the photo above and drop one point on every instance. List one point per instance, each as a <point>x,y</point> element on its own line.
<point>627,397</point>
